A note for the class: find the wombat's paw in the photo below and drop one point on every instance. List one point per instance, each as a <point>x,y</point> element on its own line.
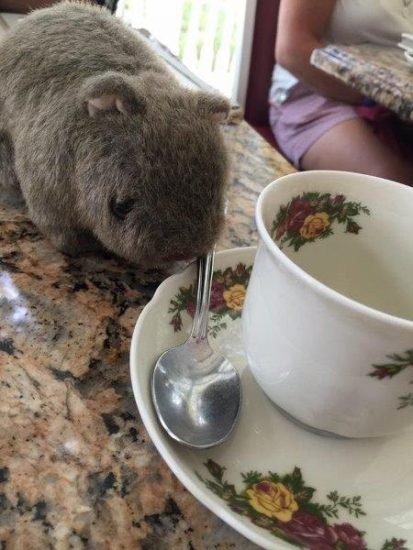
<point>8,178</point>
<point>74,243</point>
<point>11,197</point>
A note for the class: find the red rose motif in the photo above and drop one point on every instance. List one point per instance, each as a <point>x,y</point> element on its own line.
<point>348,535</point>
<point>380,373</point>
<point>240,270</point>
<point>176,322</point>
<point>190,308</point>
<point>353,227</point>
<point>217,297</point>
<point>311,530</point>
<point>337,200</point>
<point>297,212</point>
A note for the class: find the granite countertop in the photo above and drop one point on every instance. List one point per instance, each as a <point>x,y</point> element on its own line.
<point>77,469</point>
<point>380,73</point>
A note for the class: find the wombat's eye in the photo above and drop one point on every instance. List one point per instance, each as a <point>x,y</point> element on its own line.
<point>120,208</point>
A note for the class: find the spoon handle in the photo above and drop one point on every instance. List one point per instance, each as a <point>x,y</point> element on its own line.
<point>205,273</point>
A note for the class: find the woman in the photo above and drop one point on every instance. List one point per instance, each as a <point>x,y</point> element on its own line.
<point>316,118</point>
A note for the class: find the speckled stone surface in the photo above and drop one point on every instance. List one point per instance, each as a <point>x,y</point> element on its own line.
<point>380,73</point>
<point>77,469</point>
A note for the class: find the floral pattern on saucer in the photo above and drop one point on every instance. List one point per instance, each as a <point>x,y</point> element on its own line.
<point>388,370</point>
<point>227,298</point>
<point>284,506</point>
<point>311,216</point>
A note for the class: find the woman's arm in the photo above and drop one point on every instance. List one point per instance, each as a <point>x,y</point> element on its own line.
<point>301,26</point>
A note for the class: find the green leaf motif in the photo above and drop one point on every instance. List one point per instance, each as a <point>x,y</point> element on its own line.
<point>305,495</point>
<point>250,478</point>
<point>215,469</point>
<point>405,401</point>
<point>394,544</point>
<point>294,481</point>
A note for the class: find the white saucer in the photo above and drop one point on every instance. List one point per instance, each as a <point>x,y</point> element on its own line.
<point>408,55</point>
<point>407,52</point>
<point>362,488</point>
<point>406,41</point>
<point>406,47</point>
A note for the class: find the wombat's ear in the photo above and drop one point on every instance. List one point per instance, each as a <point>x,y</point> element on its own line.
<point>214,106</point>
<point>110,92</point>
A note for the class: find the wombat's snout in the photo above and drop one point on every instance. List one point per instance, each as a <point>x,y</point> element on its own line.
<point>182,239</point>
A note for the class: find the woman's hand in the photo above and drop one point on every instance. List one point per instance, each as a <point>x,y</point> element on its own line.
<point>301,27</point>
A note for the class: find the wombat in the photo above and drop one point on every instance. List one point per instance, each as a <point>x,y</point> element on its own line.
<point>107,147</point>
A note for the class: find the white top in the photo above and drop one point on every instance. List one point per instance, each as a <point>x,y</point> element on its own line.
<point>354,22</point>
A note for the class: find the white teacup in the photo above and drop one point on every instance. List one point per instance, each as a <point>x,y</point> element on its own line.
<point>328,318</point>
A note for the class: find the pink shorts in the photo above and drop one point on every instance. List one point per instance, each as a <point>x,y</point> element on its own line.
<point>303,118</point>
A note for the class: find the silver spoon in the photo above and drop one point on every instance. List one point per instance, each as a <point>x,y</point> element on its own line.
<point>195,391</point>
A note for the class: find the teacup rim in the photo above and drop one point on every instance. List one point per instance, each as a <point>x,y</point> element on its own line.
<point>311,281</point>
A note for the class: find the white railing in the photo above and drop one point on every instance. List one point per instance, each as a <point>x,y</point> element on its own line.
<point>204,34</point>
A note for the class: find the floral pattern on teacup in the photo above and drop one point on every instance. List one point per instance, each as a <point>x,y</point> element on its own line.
<point>398,364</point>
<point>284,506</point>
<point>311,216</point>
<point>228,292</point>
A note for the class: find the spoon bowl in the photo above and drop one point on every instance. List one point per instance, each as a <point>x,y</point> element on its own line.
<point>197,392</point>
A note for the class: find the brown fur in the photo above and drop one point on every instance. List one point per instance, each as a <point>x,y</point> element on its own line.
<point>90,115</point>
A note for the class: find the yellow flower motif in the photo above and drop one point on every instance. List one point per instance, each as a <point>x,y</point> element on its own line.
<point>273,500</point>
<point>314,225</point>
<point>235,296</point>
